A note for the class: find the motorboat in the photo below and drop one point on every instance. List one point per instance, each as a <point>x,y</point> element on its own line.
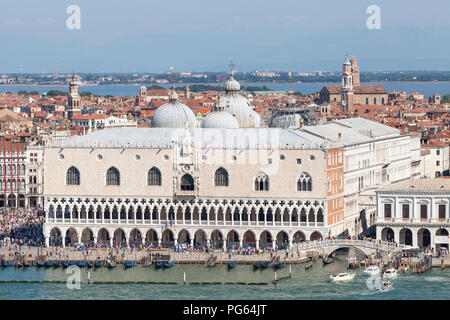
<point>342,277</point>
<point>390,273</point>
<point>372,270</point>
<point>385,285</point>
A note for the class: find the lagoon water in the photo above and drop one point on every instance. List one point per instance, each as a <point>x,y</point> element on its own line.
<point>310,284</point>
<point>426,88</point>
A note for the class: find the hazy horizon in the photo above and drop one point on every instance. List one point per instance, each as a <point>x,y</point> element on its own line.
<point>200,36</point>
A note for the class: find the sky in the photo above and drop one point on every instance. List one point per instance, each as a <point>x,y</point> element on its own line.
<point>201,35</point>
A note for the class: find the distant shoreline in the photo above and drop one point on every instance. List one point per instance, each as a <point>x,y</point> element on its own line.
<point>209,83</point>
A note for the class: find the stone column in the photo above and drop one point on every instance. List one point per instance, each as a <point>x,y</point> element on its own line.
<point>47,242</point>
<point>257,243</point>
<point>192,242</point>
<point>290,243</point>
<point>208,242</point>
<point>274,242</point>
<point>414,237</point>
<point>175,241</point>
<point>225,244</point>
<point>159,241</point>
<point>95,240</point>
<point>63,241</point>
<point>241,241</point>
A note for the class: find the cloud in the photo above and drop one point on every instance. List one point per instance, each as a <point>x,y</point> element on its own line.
<point>12,22</point>
<point>46,20</point>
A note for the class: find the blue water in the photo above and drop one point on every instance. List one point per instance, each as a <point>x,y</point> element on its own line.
<point>427,88</point>
<point>310,284</point>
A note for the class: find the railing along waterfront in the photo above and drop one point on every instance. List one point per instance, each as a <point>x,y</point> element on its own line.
<point>320,244</point>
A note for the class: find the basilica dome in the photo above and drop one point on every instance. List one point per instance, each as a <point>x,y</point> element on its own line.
<point>173,114</point>
<point>220,119</point>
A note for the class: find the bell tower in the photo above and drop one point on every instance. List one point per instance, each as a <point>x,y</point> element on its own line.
<point>74,99</point>
<point>347,86</point>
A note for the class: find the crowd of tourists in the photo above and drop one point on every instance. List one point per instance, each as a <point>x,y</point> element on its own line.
<point>22,227</point>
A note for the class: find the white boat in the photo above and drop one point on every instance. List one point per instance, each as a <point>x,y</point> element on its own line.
<point>385,285</point>
<point>372,270</point>
<point>390,273</point>
<point>342,277</point>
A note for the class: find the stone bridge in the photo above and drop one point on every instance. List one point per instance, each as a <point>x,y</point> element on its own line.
<point>366,247</point>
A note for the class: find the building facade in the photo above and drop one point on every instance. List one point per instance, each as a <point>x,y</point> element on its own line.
<point>415,213</point>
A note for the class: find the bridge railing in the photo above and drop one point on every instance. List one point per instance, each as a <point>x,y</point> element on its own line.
<point>319,244</point>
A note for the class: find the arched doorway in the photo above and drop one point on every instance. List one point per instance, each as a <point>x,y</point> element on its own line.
<point>71,237</point>
<point>167,239</point>
<point>406,237</point>
<point>233,239</point>
<point>423,238</point>
<point>265,239</point>
<point>151,238</point>
<point>55,237</point>
<point>87,237</point>
<point>216,239</point>
<point>103,237</point>
<point>299,236</point>
<point>249,239</point>
<point>200,238</point>
<point>315,236</point>
<point>184,237</point>
<point>135,238</point>
<point>119,239</point>
<point>282,240</point>
<point>387,234</point>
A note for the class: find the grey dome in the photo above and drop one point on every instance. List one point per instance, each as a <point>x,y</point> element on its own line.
<point>220,119</point>
<point>232,85</point>
<point>173,114</point>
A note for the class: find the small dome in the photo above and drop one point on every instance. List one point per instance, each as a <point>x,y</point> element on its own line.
<point>173,114</point>
<point>220,119</point>
<point>232,85</point>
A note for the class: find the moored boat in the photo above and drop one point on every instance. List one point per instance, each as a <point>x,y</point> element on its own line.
<point>129,264</point>
<point>231,265</point>
<point>81,264</point>
<point>89,264</point>
<point>48,264</point>
<point>256,266</point>
<point>99,264</point>
<point>279,265</point>
<point>6,264</point>
<point>169,264</point>
<point>390,273</point>
<point>56,264</point>
<point>264,265</point>
<point>158,265</point>
<point>327,259</point>
<point>65,264</point>
<point>342,277</point>
<point>372,270</point>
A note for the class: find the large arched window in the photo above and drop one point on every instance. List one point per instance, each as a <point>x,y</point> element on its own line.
<point>112,177</point>
<point>304,182</point>
<point>187,183</point>
<point>73,176</point>
<point>262,182</point>
<point>154,177</point>
<point>221,178</point>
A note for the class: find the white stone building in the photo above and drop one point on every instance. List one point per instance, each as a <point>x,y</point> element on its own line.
<point>216,184</point>
<point>415,212</point>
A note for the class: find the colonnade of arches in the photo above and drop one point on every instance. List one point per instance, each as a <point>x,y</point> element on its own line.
<point>421,237</point>
<point>306,213</point>
<point>169,237</point>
